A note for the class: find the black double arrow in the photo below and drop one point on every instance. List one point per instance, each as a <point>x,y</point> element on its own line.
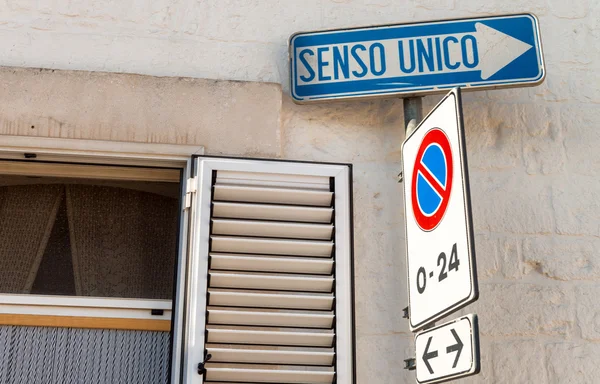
<point>433,354</point>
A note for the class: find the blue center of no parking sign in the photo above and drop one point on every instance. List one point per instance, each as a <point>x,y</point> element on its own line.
<point>434,163</point>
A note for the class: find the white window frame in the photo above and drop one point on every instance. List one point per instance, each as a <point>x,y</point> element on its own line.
<point>82,151</point>
<point>199,249</point>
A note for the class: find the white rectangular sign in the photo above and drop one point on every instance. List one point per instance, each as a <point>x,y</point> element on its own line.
<point>439,239</point>
<point>448,351</point>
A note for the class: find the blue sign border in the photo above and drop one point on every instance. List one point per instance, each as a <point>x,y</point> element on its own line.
<point>426,28</point>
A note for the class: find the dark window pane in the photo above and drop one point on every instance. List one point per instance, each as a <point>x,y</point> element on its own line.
<point>55,275</point>
<point>27,214</point>
<point>88,237</point>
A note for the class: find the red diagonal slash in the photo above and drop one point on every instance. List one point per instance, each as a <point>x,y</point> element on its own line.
<point>435,184</point>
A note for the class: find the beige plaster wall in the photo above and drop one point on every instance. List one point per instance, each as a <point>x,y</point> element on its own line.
<point>533,155</point>
<point>228,117</point>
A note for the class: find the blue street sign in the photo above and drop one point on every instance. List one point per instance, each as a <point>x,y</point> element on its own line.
<point>415,59</point>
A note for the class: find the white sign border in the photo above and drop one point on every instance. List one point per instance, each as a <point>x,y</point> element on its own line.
<point>474,294</point>
<point>476,366</point>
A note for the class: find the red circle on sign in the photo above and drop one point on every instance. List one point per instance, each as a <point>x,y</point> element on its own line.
<point>429,221</point>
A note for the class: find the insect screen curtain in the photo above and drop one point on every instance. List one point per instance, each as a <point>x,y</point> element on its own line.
<point>121,241</point>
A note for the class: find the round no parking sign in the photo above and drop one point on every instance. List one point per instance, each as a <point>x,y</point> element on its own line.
<point>432,179</point>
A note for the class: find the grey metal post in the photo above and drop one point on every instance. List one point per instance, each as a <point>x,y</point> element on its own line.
<point>413,113</point>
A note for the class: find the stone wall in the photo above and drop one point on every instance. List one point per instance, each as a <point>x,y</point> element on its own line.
<point>532,152</point>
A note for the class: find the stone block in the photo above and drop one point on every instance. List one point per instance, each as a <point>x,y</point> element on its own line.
<point>576,202</point>
<point>511,202</point>
<point>524,310</point>
<point>543,142</point>
<point>499,7</point>
<point>573,82</point>
<point>380,272</point>
<point>593,20</point>
<point>486,257</point>
<point>588,313</point>
<point>378,197</point>
<point>582,138</point>
<point>497,255</point>
<point>493,135</point>
<point>574,42</point>
<point>520,361</point>
<point>565,10</point>
<point>436,5</point>
<point>508,254</point>
<point>563,257</point>
<point>260,21</point>
<point>573,363</point>
<point>357,132</point>
<point>380,358</point>
<point>514,95</point>
<point>380,278</point>
<point>342,13</point>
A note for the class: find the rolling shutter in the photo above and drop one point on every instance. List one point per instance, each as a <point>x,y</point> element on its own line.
<point>270,285</point>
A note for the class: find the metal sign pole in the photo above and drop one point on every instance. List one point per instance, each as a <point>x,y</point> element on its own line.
<point>413,113</point>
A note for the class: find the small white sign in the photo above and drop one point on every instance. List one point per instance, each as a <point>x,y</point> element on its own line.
<point>439,239</point>
<point>448,351</point>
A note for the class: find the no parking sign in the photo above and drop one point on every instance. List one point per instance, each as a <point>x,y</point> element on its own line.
<point>439,236</point>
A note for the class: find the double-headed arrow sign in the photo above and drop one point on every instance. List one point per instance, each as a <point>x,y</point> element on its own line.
<point>458,347</point>
<point>417,58</point>
<point>459,340</point>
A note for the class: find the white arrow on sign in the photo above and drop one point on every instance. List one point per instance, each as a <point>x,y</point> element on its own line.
<point>448,351</point>
<point>496,50</point>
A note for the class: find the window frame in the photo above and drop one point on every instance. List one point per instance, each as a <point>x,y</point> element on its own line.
<point>71,311</point>
<point>85,312</point>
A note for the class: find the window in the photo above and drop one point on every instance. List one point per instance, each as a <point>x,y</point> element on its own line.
<point>270,284</point>
<point>102,232</point>
<point>262,250</point>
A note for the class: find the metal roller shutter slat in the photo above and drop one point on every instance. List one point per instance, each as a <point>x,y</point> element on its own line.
<point>272,212</point>
<point>301,339</point>
<point>272,246</point>
<point>270,319</point>
<point>250,194</point>
<point>273,179</point>
<point>272,229</point>
<point>262,300</point>
<point>269,376</point>
<point>272,282</point>
<point>270,356</point>
<point>286,264</point>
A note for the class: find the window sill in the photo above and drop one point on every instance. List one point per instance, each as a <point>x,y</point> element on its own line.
<point>85,312</point>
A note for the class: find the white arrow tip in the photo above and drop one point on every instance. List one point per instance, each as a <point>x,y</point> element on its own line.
<point>497,49</point>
